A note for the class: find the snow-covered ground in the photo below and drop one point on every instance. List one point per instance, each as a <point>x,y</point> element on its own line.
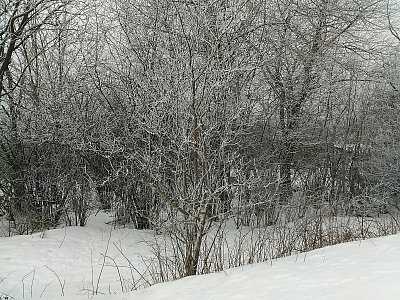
<point>69,262</point>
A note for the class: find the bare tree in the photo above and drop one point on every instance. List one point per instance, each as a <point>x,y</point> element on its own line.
<point>20,48</point>
<point>301,43</point>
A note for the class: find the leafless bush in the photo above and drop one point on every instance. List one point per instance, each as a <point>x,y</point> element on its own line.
<point>225,245</point>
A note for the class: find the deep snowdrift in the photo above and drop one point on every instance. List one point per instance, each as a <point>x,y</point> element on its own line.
<point>69,261</point>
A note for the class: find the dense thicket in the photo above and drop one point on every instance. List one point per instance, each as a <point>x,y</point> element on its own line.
<point>179,114</point>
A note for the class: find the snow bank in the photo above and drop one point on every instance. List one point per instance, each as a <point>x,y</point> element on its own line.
<point>69,261</point>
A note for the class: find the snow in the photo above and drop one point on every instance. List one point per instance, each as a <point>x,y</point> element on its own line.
<point>368,269</point>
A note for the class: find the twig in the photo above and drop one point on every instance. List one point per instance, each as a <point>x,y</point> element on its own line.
<point>119,273</point>
<point>21,281</point>
<point>59,280</point>
<point>91,265</point>
<point>44,289</point>
<point>65,234</point>
<point>127,259</point>
<point>33,279</point>
<point>104,261</point>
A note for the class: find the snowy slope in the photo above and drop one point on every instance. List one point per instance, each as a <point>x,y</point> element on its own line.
<point>368,269</point>
<point>29,265</point>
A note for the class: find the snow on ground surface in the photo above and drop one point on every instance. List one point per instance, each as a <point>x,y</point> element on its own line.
<point>368,269</point>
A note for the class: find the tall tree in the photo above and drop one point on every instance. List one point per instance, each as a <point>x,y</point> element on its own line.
<point>300,42</point>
